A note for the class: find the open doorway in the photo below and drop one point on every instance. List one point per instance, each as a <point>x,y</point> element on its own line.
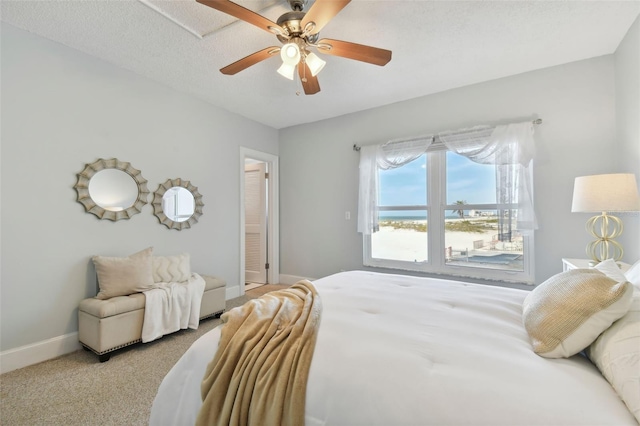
<point>259,245</point>
<point>256,215</point>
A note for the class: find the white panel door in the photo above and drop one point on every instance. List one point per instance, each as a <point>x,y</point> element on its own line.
<point>255,215</point>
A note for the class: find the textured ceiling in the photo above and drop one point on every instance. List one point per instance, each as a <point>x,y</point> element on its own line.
<point>437,45</point>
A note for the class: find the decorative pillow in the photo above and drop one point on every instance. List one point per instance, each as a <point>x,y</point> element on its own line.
<point>611,269</point>
<point>121,276</point>
<point>633,274</point>
<point>171,269</point>
<point>616,353</point>
<point>566,313</point>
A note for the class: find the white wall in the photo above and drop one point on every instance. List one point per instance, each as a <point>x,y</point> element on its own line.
<point>627,60</point>
<point>62,109</point>
<point>319,169</point>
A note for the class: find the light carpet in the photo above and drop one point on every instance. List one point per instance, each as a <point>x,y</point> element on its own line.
<point>76,389</point>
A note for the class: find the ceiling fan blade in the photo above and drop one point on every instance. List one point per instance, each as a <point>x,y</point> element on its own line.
<point>240,12</point>
<point>247,61</point>
<point>359,52</point>
<point>322,12</point>
<point>309,83</point>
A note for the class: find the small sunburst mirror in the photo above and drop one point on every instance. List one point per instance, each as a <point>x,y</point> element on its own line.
<point>111,189</point>
<point>177,204</point>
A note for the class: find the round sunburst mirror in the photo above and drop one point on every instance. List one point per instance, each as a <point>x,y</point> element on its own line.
<point>111,189</point>
<point>177,204</point>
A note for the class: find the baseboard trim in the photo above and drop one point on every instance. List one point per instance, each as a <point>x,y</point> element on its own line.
<point>232,292</point>
<point>292,279</point>
<point>45,350</point>
<point>34,353</point>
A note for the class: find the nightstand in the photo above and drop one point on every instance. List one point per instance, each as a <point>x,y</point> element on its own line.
<point>568,264</point>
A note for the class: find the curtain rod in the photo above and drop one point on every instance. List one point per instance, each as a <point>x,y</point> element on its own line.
<point>536,121</point>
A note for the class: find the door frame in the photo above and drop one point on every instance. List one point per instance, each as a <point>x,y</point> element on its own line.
<point>273,244</point>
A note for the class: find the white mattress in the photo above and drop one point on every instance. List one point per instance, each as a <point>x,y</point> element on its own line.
<point>399,350</point>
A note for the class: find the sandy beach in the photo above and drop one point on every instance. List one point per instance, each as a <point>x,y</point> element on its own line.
<point>411,245</point>
<point>407,244</point>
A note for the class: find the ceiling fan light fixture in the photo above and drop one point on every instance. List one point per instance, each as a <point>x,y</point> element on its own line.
<point>314,63</point>
<point>298,31</point>
<point>287,70</point>
<point>290,54</point>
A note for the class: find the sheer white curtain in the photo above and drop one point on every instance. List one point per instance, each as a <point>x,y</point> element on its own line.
<point>386,156</point>
<point>511,148</point>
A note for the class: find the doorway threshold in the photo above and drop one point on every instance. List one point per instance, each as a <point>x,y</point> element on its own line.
<point>251,286</point>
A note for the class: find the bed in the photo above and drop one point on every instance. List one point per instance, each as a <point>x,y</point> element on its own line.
<point>399,350</point>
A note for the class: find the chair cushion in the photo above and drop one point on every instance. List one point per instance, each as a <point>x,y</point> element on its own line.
<point>113,306</point>
<point>211,282</point>
<point>121,304</point>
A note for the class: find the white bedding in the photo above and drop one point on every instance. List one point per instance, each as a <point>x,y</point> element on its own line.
<point>399,350</point>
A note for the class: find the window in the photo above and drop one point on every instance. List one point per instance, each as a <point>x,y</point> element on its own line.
<point>402,217</point>
<point>476,232</point>
<point>444,213</point>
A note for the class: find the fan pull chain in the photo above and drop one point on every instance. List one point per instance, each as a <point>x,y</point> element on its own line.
<point>304,71</point>
<point>303,79</point>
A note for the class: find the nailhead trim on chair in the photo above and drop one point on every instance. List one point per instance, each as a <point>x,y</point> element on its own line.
<point>113,349</point>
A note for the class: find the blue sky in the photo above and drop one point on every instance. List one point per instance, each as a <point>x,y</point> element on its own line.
<point>466,181</point>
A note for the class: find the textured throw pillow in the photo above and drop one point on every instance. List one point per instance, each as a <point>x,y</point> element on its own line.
<point>616,353</point>
<point>566,313</point>
<point>171,269</point>
<point>121,276</point>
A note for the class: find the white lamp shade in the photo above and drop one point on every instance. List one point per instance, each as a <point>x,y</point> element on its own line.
<point>315,63</point>
<point>290,54</point>
<point>606,193</point>
<point>287,70</point>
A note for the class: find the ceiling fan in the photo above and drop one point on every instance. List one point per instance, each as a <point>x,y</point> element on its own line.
<point>298,31</point>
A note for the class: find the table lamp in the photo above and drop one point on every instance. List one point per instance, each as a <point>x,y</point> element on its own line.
<point>605,193</point>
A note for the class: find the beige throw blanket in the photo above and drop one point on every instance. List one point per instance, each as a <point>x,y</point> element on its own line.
<point>259,373</point>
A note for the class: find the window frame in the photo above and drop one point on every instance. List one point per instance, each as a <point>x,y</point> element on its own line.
<point>435,264</point>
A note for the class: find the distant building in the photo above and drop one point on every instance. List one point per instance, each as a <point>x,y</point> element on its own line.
<point>481,213</point>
